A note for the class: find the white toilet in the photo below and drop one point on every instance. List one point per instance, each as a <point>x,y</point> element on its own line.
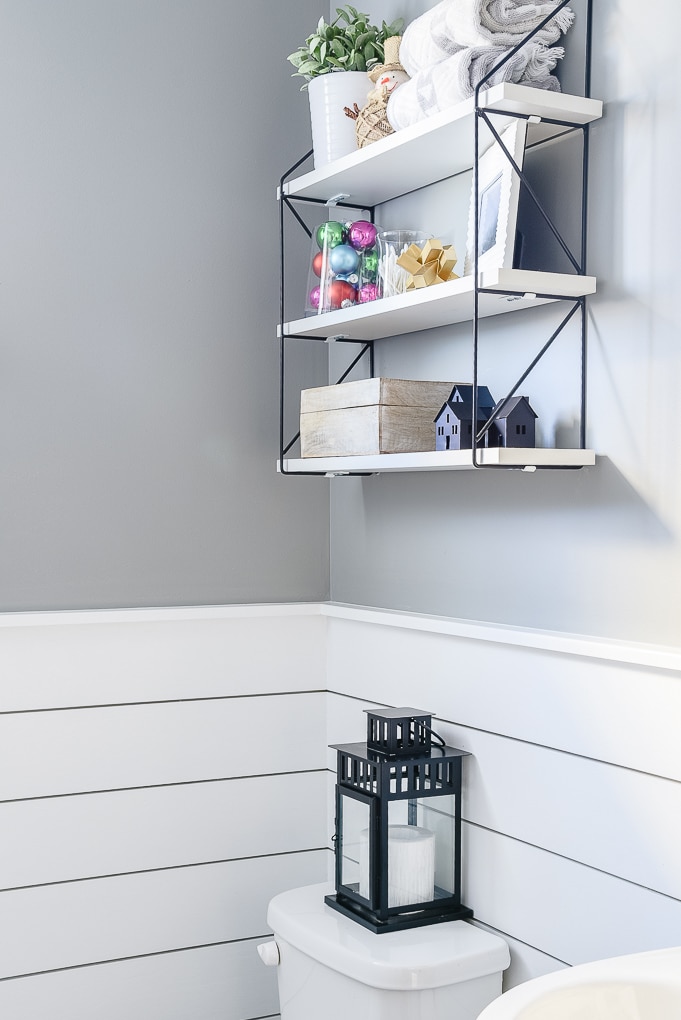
<point>332,968</point>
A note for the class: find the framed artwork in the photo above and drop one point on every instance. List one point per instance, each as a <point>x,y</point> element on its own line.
<point>498,193</point>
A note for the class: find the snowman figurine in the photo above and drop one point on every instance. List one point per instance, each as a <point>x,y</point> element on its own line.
<point>371,122</point>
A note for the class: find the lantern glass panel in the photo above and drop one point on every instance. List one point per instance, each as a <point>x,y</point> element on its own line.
<point>438,816</point>
<point>354,835</point>
<point>421,850</point>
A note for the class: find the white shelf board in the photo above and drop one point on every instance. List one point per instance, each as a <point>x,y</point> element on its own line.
<point>441,304</point>
<point>438,147</point>
<point>450,460</point>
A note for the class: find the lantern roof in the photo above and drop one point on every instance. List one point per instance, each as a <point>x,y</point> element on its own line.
<point>360,750</point>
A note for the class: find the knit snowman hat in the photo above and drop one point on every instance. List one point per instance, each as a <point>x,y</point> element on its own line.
<point>392,58</point>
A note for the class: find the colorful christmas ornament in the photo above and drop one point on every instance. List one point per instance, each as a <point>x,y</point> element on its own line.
<point>368,292</point>
<point>314,297</point>
<point>343,259</point>
<point>330,234</point>
<point>341,294</point>
<point>362,235</point>
<point>370,264</point>
<point>318,263</point>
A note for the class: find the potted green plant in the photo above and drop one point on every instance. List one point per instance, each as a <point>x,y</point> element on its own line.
<point>334,62</point>
<point>349,43</point>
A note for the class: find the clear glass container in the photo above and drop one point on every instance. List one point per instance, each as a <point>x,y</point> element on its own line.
<point>343,266</point>
<point>393,279</point>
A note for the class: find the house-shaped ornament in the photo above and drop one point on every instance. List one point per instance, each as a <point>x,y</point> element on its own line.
<point>513,426</point>
<point>454,421</point>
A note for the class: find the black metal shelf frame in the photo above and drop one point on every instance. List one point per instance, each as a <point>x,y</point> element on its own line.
<point>286,204</point>
<point>578,264</point>
<point>481,114</point>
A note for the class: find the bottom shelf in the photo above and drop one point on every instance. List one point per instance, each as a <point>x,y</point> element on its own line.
<point>450,460</point>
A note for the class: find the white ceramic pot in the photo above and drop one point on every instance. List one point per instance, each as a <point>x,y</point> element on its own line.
<point>333,134</point>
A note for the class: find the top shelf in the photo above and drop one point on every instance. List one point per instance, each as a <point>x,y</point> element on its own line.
<point>439,146</point>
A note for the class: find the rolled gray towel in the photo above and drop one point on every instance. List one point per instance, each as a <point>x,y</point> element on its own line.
<point>452,80</point>
<point>453,25</point>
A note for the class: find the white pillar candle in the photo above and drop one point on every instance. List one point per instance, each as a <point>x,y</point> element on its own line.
<point>411,865</point>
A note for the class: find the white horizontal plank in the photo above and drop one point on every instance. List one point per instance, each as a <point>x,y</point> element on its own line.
<point>622,822</point>
<point>105,919</point>
<point>444,460</point>
<point>624,715</point>
<point>154,614</point>
<point>526,961</point>
<point>441,305</point>
<point>47,753</point>
<point>567,910</point>
<point>61,659</point>
<point>616,650</point>
<point>436,147</point>
<point>227,982</point>
<point>66,838</point>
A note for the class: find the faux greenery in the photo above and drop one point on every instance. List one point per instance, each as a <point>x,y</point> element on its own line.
<point>349,43</point>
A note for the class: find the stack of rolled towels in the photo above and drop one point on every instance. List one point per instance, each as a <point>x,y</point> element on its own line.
<point>451,48</point>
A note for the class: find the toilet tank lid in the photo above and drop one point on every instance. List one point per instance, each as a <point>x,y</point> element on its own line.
<point>428,957</point>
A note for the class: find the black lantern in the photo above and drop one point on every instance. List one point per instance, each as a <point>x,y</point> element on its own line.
<point>398,825</point>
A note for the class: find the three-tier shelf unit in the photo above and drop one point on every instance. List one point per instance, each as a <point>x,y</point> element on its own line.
<point>425,153</point>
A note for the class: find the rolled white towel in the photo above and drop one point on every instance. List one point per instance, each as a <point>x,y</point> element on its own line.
<point>427,40</point>
<point>452,25</point>
<point>452,80</point>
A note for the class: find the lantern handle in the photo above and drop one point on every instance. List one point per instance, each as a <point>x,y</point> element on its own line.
<point>435,736</point>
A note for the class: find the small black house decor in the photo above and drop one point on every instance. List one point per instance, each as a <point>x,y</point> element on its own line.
<point>398,825</point>
<point>513,425</point>
<point>454,421</point>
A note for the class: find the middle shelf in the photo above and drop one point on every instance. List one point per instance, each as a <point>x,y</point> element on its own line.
<point>505,290</point>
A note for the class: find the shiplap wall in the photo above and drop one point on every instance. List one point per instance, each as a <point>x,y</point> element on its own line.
<point>572,795</point>
<point>162,775</point>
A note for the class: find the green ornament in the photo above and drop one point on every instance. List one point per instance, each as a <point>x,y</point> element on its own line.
<point>330,234</point>
<point>369,264</point>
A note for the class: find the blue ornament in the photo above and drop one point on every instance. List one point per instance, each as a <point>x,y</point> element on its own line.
<point>343,259</point>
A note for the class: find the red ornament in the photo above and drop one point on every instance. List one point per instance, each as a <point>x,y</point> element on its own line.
<point>317,263</point>
<point>340,293</point>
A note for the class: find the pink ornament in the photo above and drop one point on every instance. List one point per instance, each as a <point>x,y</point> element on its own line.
<point>368,292</point>
<point>315,294</point>
<point>362,235</point>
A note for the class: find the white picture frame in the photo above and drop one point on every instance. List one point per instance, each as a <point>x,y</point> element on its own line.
<point>498,194</point>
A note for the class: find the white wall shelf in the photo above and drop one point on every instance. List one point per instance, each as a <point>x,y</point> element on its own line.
<point>439,146</point>
<point>416,157</point>
<point>441,305</point>
<point>450,460</point>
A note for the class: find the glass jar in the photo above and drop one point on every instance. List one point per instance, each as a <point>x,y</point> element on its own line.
<point>343,266</point>
<point>393,279</point>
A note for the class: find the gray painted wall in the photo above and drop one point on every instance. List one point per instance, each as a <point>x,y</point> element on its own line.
<point>142,142</point>
<point>596,551</point>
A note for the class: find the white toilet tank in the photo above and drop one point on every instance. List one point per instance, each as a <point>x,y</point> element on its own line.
<point>331,968</point>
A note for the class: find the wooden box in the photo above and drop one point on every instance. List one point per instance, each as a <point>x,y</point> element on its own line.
<point>370,416</point>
